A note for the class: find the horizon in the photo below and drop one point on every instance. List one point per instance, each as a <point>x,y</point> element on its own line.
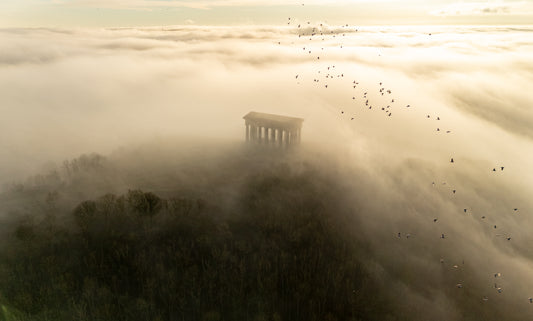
<point>116,13</point>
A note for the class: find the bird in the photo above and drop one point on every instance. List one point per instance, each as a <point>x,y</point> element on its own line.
<point>530,300</point>
<point>454,191</point>
<point>516,209</point>
<point>464,210</point>
<point>501,168</point>
<point>442,236</point>
<point>435,219</point>
<point>459,285</point>
<point>399,234</point>
<point>494,169</point>
<point>497,274</point>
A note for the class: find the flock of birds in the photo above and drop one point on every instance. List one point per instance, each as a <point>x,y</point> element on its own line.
<point>385,103</point>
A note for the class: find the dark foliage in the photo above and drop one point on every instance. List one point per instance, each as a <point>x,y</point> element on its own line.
<point>282,251</point>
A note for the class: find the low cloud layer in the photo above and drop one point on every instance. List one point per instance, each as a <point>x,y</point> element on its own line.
<point>69,91</point>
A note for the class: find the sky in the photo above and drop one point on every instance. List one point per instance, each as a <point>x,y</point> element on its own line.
<point>115,13</point>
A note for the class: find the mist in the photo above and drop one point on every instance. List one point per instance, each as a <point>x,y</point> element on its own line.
<point>162,109</point>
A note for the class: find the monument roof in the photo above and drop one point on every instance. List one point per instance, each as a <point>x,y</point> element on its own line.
<point>273,119</point>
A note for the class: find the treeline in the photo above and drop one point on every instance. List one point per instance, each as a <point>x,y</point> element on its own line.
<point>284,249</point>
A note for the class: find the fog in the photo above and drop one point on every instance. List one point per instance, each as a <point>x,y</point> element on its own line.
<point>165,105</point>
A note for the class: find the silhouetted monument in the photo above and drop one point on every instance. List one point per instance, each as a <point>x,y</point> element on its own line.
<point>272,129</point>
